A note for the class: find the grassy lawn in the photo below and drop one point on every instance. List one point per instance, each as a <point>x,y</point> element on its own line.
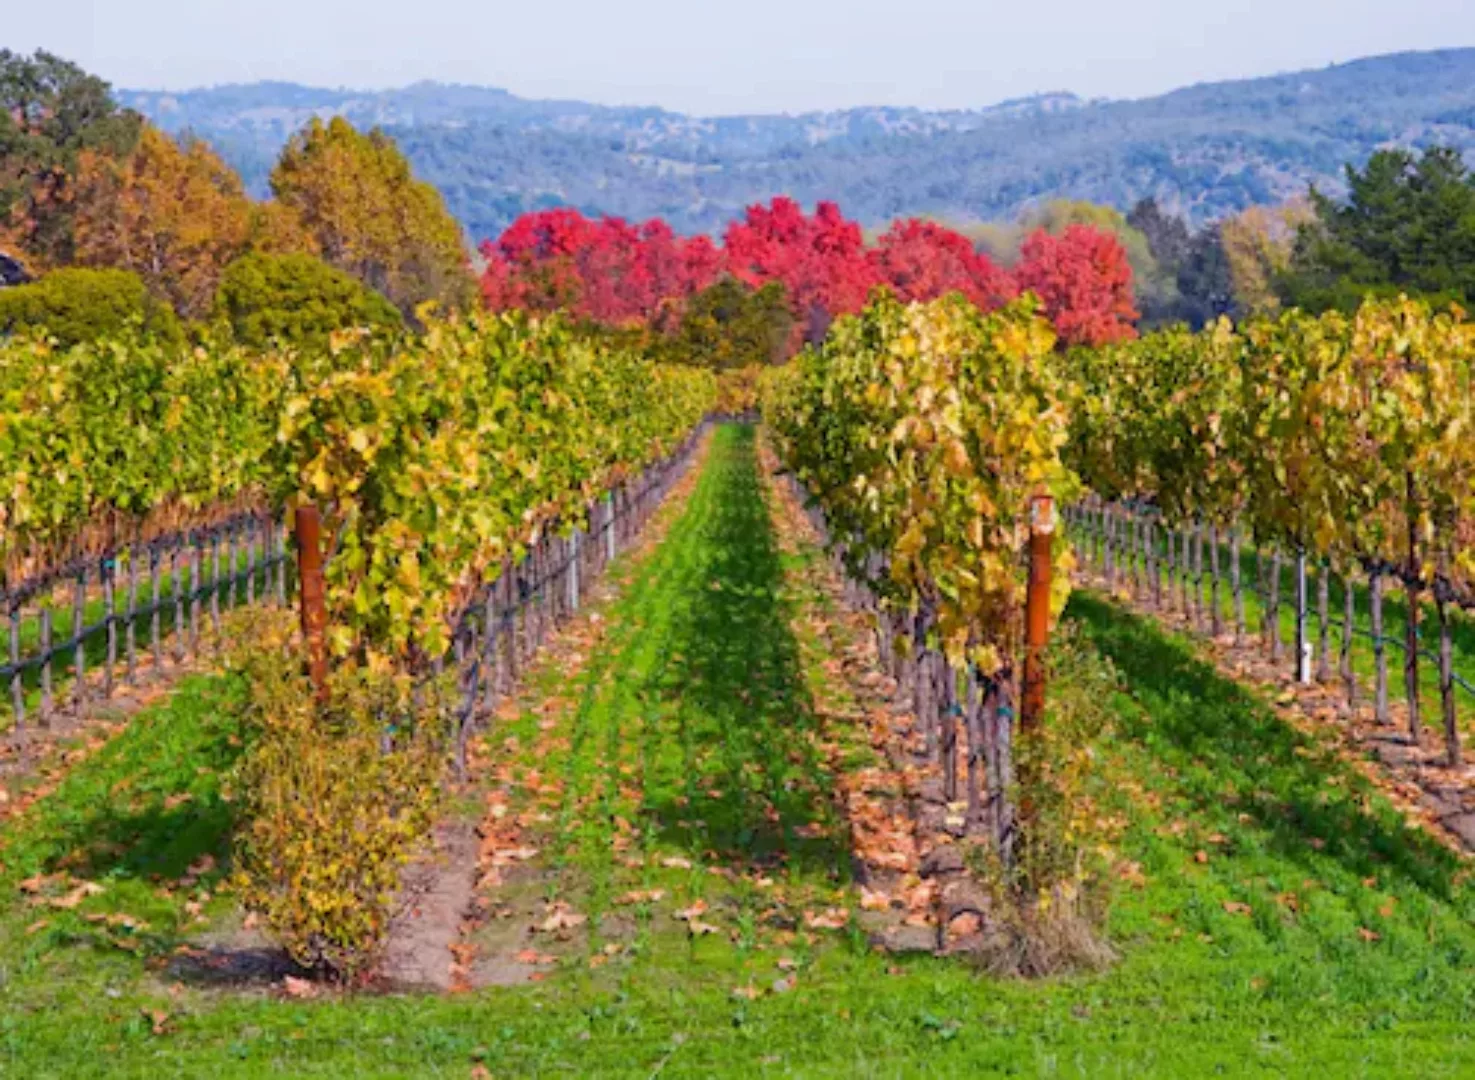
<point>1278,919</point>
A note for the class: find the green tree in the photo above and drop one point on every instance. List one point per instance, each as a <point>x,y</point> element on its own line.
<point>1406,225</point>
<point>1193,265</point>
<point>51,111</point>
<point>296,300</point>
<point>728,325</point>
<point>368,216</point>
<point>78,305</point>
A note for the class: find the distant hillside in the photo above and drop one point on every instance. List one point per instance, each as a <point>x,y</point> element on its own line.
<point>1205,150</point>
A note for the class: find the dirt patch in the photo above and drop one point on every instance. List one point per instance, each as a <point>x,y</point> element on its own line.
<point>436,894</point>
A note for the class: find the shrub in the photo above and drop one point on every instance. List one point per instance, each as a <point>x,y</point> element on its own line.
<point>336,799</point>
<point>295,300</point>
<point>1050,906</point>
<point>78,305</point>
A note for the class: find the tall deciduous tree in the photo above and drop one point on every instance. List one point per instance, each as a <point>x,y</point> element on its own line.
<point>730,325</point>
<point>173,215</point>
<point>607,270</point>
<point>1195,282</point>
<point>1258,243</point>
<point>821,260</point>
<point>51,111</point>
<point>1084,280</point>
<point>368,216</point>
<point>922,260</point>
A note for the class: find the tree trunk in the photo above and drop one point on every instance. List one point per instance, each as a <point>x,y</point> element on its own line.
<point>1272,618</point>
<point>1324,615</point>
<point>1446,683</point>
<point>1380,655</point>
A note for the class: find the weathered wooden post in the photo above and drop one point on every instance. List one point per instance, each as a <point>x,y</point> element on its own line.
<point>1037,609</point>
<point>309,532</point>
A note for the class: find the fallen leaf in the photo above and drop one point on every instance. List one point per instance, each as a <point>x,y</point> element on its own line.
<point>1368,935</point>
<point>562,920</point>
<point>697,928</point>
<point>533,956</point>
<point>698,908</point>
<point>641,896</point>
<point>830,919</point>
<point>750,992</point>
<point>676,862</point>
<point>298,988</point>
<point>1236,908</point>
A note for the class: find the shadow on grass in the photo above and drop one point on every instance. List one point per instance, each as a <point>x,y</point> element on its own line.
<point>736,683</point>
<point>1230,749</point>
<point>146,816</point>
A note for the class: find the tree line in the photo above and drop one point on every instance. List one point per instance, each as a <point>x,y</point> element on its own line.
<point>120,221</point>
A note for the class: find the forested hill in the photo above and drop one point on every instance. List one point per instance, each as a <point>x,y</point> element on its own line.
<point>1204,150</point>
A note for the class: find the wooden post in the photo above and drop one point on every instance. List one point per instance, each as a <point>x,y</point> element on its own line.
<point>309,529</point>
<point>1037,609</point>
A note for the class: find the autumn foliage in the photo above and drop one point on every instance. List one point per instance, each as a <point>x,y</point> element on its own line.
<point>174,215</point>
<point>922,260</point>
<point>1085,282</point>
<point>610,271</point>
<point>607,270</point>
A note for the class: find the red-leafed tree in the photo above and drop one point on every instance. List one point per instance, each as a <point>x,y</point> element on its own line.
<point>922,260</point>
<point>1085,282</point>
<point>820,260</point>
<point>606,270</point>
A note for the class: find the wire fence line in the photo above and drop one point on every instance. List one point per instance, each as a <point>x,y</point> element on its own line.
<point>79,630</point>
<point>140,603</point>
<point>1207,572</point>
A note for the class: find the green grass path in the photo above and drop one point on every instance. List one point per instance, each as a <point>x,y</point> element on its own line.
<point>1347,949</point>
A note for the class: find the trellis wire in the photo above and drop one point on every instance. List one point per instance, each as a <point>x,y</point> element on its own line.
<point>100,608</point>
<point>1099,541</point>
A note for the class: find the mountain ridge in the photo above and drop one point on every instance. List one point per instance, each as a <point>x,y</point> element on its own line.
<point>1204,150</point>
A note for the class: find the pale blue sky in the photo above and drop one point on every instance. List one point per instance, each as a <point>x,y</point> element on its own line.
<point>735,56</point>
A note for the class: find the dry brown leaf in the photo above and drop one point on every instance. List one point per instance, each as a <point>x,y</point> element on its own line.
<point>562,920</point>
<point>697,908</point>
<point>298,988</point>
<point>829,919</point>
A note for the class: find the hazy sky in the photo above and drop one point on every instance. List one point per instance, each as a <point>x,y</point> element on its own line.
<point>735,56</point>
